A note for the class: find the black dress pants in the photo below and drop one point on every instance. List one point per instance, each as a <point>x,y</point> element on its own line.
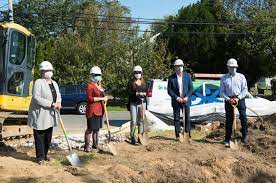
<point>43,140</point>
<point>229,119</point>
<point>178,121</point>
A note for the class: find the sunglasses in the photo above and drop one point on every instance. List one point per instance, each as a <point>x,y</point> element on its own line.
<point>96,74</point>
<point>137,72</point>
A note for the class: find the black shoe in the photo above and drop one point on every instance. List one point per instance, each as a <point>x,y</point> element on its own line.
<point>40,162</point>
<point>132,141</point>
<point>95,147</point>
<point>48,159</point>
<point>226,144</point>
<point>245,140</point>
<point>87,149</point>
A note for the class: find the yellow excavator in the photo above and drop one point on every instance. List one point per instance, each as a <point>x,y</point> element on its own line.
<point>17,57</point>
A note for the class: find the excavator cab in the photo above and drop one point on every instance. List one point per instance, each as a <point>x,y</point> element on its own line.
<point>17,57</point>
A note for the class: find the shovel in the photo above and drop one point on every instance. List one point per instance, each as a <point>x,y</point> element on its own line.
<point>142,137</point>
<point>234,143</point>
<point>110,146</point>
<point>107,121</point>
<point>73,157</point>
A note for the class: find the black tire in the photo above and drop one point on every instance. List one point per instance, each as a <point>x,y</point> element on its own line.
<point>82,108</point>
<point>261,91</point>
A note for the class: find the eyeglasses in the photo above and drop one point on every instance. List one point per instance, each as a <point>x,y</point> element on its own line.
<point>137,72</point>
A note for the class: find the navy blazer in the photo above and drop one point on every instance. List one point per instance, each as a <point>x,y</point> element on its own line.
<point>173,88</point>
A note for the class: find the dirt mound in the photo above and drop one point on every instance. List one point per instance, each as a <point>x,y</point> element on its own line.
<point>123,173</point>
<point>218,133</point>
<point>22,171</point>
<point>162,160</point>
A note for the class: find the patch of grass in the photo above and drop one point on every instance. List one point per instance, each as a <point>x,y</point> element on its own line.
<point>165,133</point>
<point>199,132</point>
<point>170,133</point>
<point>116,108</point>
<point>255,148</point>
<point>57,163</point>
<point>117,105</point>
<point>87,157</point>
<point>271,132</point>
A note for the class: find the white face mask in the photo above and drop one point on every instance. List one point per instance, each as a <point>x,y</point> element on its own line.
<point>232,70</point>
<point>137,76</point>
<point>179,69</point>
<point>48,75</point>
<point>96,79</point>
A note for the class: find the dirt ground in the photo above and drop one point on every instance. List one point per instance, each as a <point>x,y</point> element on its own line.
<point>161,160</point>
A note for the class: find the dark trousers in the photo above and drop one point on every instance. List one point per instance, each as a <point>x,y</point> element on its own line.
<point>176,116</point>
<point>42,142</point>
<point>229,119</point>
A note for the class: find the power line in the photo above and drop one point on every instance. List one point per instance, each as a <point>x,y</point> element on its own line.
<point>245,5</point>
<point>97,20</point>
<point>147,20</point>
<point>168,32</point>
<point>129,20</point>
<point>3,6</point>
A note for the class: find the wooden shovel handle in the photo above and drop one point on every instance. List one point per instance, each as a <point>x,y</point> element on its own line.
<point>234,117</point>
<point>63,129</point>
<point>106,115</point>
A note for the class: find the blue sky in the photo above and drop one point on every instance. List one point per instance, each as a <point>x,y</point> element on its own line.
<point>154,8</point>
<point>146,8</point>
<point>3,4</point>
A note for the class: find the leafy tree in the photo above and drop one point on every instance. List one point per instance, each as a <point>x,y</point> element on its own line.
<point>208,33</point>
<point>75,35</point>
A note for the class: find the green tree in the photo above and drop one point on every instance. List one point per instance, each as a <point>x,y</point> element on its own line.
<point>75,35</point>
<point>208,33</point>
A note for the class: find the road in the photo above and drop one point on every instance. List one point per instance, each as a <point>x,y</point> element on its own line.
<point>76,124</point>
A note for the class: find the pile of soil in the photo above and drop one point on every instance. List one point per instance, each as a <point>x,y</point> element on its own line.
<point>162,160</point>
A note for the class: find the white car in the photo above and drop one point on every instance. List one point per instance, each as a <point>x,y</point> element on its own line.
<point>206,102</point>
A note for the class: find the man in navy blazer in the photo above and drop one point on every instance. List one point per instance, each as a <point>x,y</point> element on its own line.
<point>180,88</point>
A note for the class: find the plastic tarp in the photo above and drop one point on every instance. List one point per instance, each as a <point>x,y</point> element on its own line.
<point>215,111</point>
<point>154,123</point>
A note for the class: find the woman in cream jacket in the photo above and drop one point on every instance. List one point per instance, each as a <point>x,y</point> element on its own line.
<point>42,116</point>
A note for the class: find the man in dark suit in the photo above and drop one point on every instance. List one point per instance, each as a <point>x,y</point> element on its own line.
<point>180,88</point>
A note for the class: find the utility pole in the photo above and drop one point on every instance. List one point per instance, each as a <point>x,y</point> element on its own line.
<point>10,11</point>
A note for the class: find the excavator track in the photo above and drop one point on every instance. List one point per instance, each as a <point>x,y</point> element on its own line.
<point>13,126</point>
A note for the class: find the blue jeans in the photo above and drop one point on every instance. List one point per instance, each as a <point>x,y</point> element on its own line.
<point>176,116</point>
<point>229,119</point>
<point>136,118</point>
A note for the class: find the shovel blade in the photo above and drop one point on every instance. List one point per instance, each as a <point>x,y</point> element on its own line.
<point>74,160</point>
<point>234,145</point>
<point>142,139</point>
<point>108,149</point>
<point>112,149</point>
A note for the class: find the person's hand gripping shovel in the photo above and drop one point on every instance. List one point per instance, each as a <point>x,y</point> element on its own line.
<point>234,142</point>
<point>110,147</point>
<point>73,157</point>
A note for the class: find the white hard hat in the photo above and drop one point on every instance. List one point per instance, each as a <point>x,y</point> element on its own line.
<point>95,70</point>
<point>178,62</point>
<point>232,62</point>
<point>137,68</point>
<point>45,66</point>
